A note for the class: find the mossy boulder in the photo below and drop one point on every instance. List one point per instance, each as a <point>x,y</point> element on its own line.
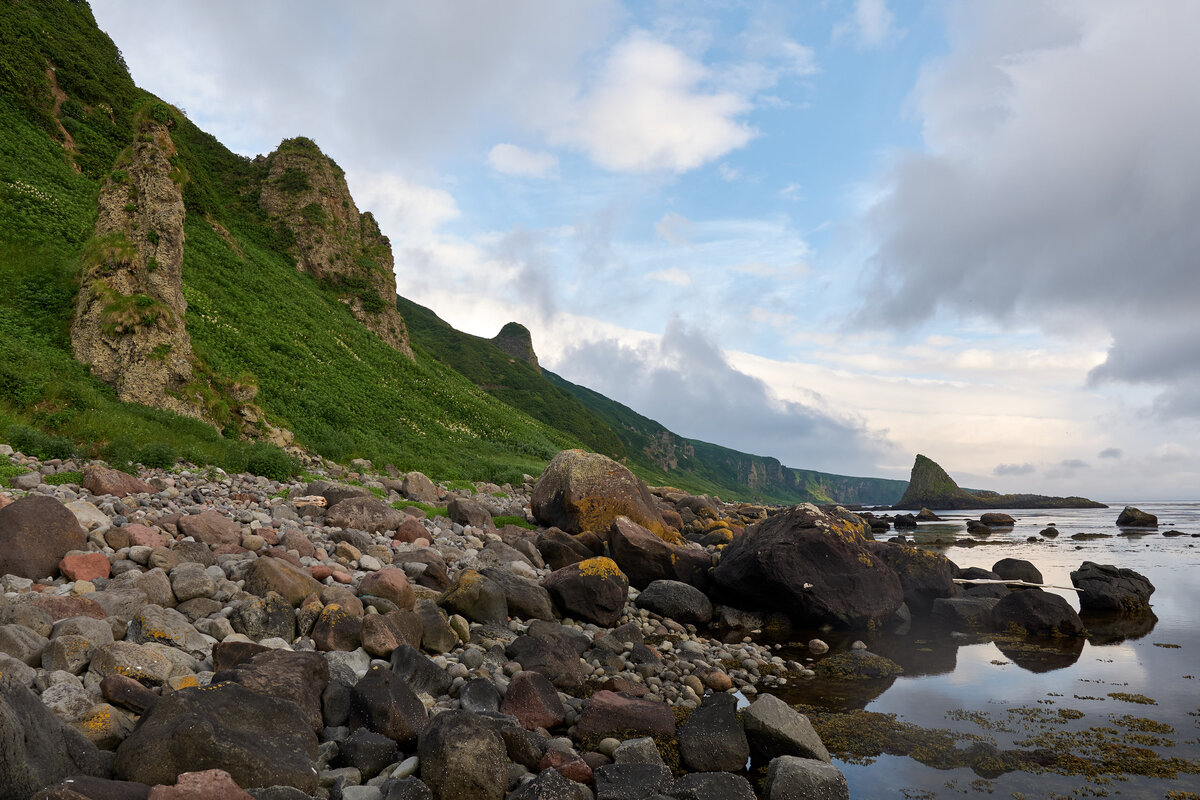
<point>593,590</point>
<point>580,491</point>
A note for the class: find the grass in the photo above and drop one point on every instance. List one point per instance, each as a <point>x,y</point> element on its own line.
<point>520,522</point>
<point>430,511</point>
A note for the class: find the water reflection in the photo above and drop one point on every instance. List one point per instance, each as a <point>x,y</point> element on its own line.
<point>1041,655</point>
<point>1115,628</point>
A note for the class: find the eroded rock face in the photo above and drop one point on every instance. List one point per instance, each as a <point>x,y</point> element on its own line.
<point>306,191</point>
<point>514,339</point>
<point>129,318</point>
<point>814,566</point>
<point>581,491</point>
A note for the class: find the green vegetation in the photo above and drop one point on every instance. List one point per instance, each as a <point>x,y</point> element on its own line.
<point>158,455</point>
<point>60,478</point>
<point>430,511</point>
<point>520,522</point>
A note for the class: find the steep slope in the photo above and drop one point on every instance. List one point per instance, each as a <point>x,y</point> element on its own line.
<point>931,487</point>
<point>272,344</point>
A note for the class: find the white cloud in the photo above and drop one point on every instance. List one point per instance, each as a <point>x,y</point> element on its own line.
<point>793,191</point>
<point>509,159</point>
<point>674,228</point>
<point>653,109</point>
<point>406,209</point>
<point>728,173</point>
<point>673,276</point>
<point>871,23</point>
<point>1014,469</point>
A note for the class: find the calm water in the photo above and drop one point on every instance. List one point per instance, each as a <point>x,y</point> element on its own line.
<point>942,674</point>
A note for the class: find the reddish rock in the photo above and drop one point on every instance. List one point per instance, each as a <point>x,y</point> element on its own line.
<point>84,566</point>
<point>143,536</point>
<point>211,784</point>
<point>229,550</point>
<point>533,700</point>
<point>624,686</point>
<point>275,552</point>
<point>342,577</point>
<point>337,629</point>
<point>718,681</point>
<point>268,535</point>
<point>645,558</point>
<point>594,590</point>
<point>608,713</point>
<point>62,607</point>
<point>592,541</point>
<point>277,575</point>
<point>124,691</point>
<point>5,500</point>
<point>409,530</point>
<point>344,597</point>
<point>35,533</point>
<point>391,584</point>
<point>569,765</point>
<point>319,571</point>
<point>211,527</point>
<point>379,638</point>
<point>580,491</point>
<point>293,539</point>
<point>99,480</point>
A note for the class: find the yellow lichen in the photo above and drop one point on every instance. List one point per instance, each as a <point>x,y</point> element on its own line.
<point>599,566</point>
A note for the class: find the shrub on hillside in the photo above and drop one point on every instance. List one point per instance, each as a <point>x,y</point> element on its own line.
<point>158,455</point>
<point>269,461</point>
<point>33,442</point>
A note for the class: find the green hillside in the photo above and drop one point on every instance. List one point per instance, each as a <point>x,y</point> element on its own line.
<point>253,319</point>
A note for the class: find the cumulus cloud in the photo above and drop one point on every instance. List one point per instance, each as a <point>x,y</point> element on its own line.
<point>509,159</point>
<point>653,108</point>
<point>1056,185</point>
<point>1014,469</point>
<point>686,382</point>
<point>1110,452</point>
<point>871,23</point>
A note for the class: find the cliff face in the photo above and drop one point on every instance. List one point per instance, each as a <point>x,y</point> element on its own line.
<point>305,192</point>
<point>129,316</point>
<point>514,339</point>
<point>930,487</point>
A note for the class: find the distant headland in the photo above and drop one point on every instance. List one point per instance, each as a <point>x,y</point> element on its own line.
<point>930,487</point>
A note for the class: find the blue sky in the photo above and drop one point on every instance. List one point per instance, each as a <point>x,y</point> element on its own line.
<point>839,232</point>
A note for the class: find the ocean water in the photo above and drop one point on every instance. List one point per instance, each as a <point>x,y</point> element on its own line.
<point>955,683</point>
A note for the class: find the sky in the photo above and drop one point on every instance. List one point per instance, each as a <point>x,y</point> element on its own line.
<point>837,232</point>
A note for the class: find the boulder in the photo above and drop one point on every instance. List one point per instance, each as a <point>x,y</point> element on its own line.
<point>593,590</point>
<point>476,597</point>
<point>559,549</point>
<point>265,618</point>
<point>965,613</point>
<point>389,583</point>
<point>84,566</point>
<point>368,752</point>
<point>337,629</point>
<point>335,493</point>
<point>211,527</point>
<point>526,599</point>
<point>1104,587</point>
<point>382,702</point>
<point>418,487</point>
<point>418,671</point>
<point>551,785</point>
<point>774,728</point>
<point>610,713</point>
<point>631,781</point>
<point>711,786</point>
<point>996,519</point>
<point>258,740</point>
<point>298,677</point>
<point>365,513</point>
<point>205,785</point>
<point>35,533</point>
<point>792,778</point>
<point>1017,569</point>
<point>463,755</point>
<point>814,566</point>
<point>554,658</point>
<point>469,512</point>
<point>924,576</point>
<point>675,600</point>
<point>533,700</point>
<point>36,748</point>
<point>580,491</point>
<point>712,739</point>
<point>1131,517</point>
<point>276,575</point>
<point>1036,613</point>
<point>101,480</point>
<point>645,558</point>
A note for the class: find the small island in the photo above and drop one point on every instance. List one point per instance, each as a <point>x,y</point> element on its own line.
<point>930,486</point>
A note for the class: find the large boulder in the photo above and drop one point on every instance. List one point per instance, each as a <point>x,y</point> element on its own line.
<point>391,584</point>
<point>383,703</point>
<point>1037,613</point>
<point>611,713</point>
<point>365,513</point>
<point>335,493</point>
<point>924,576</point>
<point>814,566</point>
<point>593,590</point>
<point>476,597</point>
<point>463,755</point>
<point>997,519</point>
<point>1103,587</point>
<point>792,778</point>
<point>552,656</point>
<point>35,533</point>
<point>418,487</point>
<point>533,700</point>
<point>1131,517</point>
<point>211,527</point>
<point>580,491</point>
<point>259,740</point>
<point>525,598</point>
<point>776,729</point>
<point>469,512</point>
<point>101,480</point>
<point>1017,569</point>
<point>675,600</point>
<point>276,575</point>
<point>645,558</point>
<point>36,748</point>
<point>712,739</point>
<point>299,677</point>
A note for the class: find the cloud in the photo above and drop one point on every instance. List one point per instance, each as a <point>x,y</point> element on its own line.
<point>673,276</point>
<point>674,228</point>
<point>1073,463</point>
<point>410,209</point>
<point>652,109</point>
<point>792,192</point>
<point>1110,452</point>
<point>683,380</point>
<point>1014,469</point>
<point>1055,187</point>
<point>871,24</point>
<point>509,159</point>
<point>1172,453</point>
<point>728,173</point>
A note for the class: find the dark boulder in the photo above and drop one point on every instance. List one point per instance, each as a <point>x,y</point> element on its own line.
<point>645,558</point>
<point>1017,569</point>
<point>593,590</point>
<point>418,671</point>
<point>299,677</point>
<point>996,519</point>
<point>533,700</point>
<point>607,713</point>
<point>712,739</point>
<point>904,521</point>
<point>711,786</point>
<point>675,600</point>
<point>965,613</point>
<point>477,597</point>
<point>1131,517</point>
<point>335,493</point>
<point>559,548</point>
<point>526,599</point>
<point>977,528</point>
<point>36,748</point>
<point>554,658</point>
<point>469,512</point>
<point>35,533</point>
<point>463,756</point>
<point>1104,587</point>
<point>1037,613</point>
<point>814,566</point>
<point>924,576</point>
<point>633,781</point>
<point>382,702</point>
<point>259,740</point>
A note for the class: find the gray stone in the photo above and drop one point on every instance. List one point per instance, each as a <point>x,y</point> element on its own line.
<point>793,778</point>
<point>551,785</point>
<point>711,786</point>
<point>676,600</point>
<point>22,644</point>
<point>712,740</point>
<point>69,653</point>
<point>463,755</point>
<point>637,751</point>
<point>189,581</point>
<point>36,748</point>
<point>774,728</point>
<point>631,781</point>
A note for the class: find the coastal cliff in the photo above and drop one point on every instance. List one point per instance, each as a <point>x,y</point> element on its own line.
<point>931,487</point>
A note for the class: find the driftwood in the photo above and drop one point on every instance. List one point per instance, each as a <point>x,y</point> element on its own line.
<point>977,581</point>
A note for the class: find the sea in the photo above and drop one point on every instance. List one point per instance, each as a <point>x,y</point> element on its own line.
<point>1134,681</point>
